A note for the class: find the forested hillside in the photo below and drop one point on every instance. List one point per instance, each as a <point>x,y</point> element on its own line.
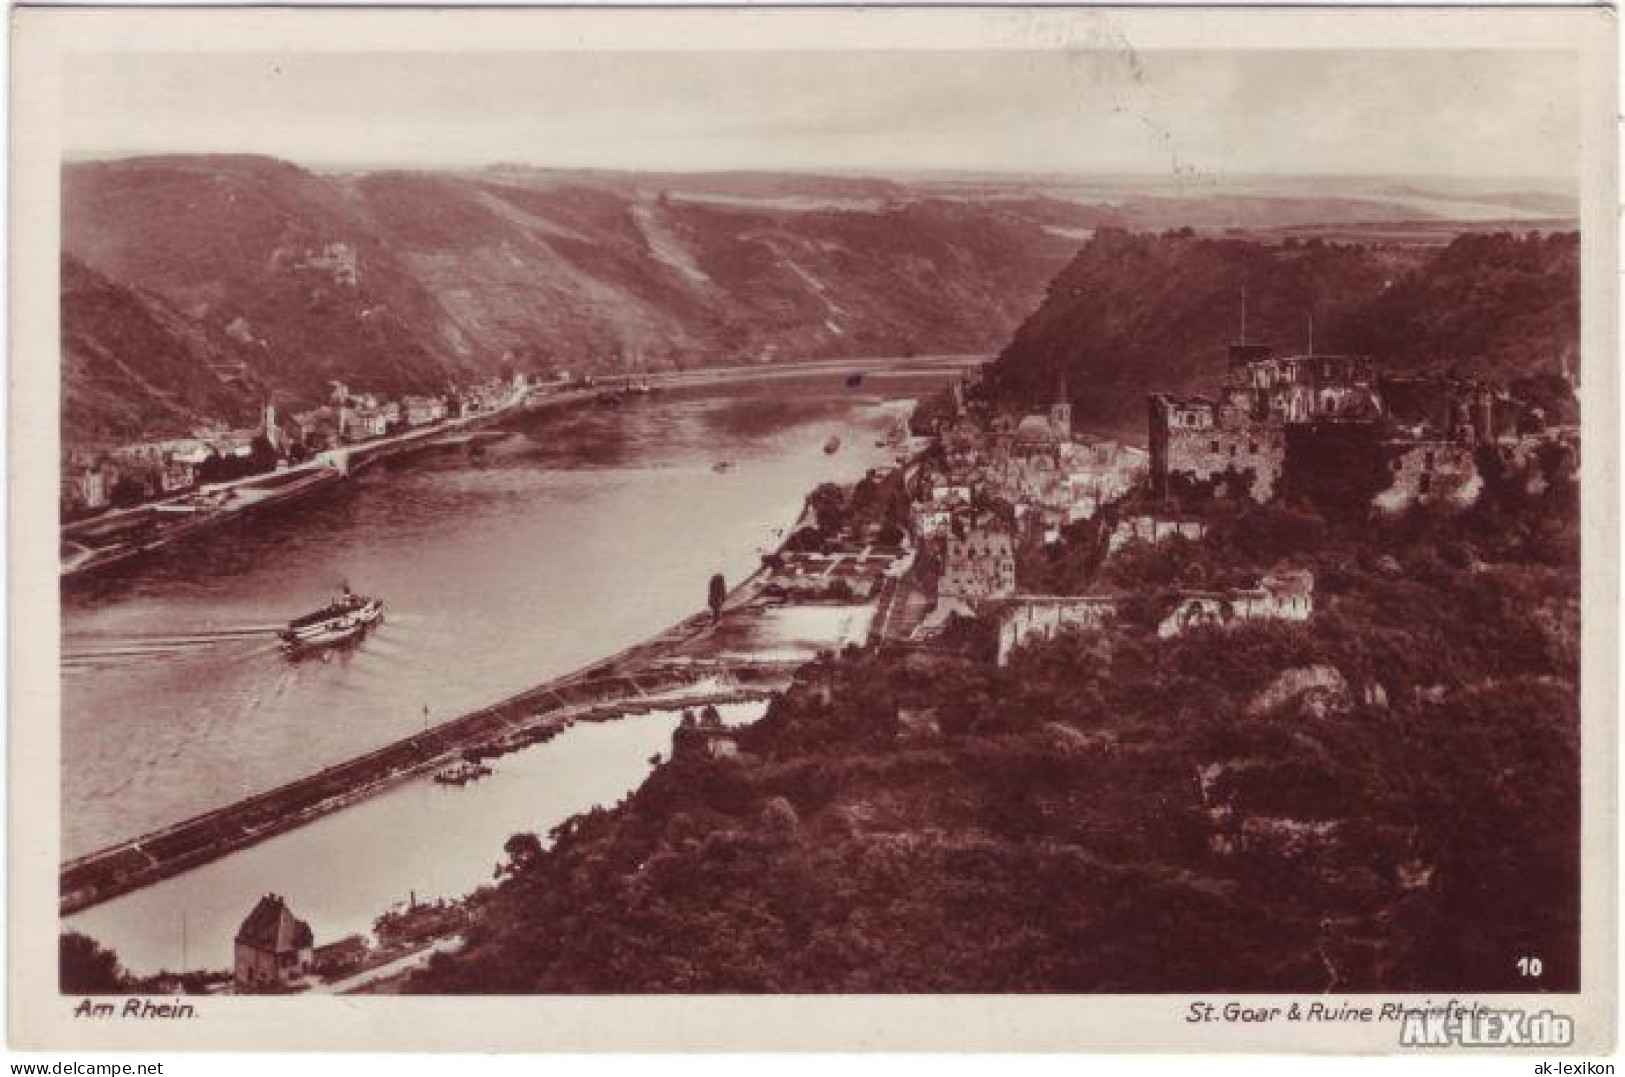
<point>1135,313</point>
<point>132,363</point>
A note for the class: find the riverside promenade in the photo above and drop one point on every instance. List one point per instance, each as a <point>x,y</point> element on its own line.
<point>693,663</point>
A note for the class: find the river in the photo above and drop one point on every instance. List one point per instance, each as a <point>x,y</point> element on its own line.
<point>577,535</point>
<point>419,840</point>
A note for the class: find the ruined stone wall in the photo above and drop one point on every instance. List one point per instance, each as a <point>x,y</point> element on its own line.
<point>1430,473</point>
<point>1234,608</point>
<point>1261,604</point>
<point>1044,618</point>
<point>1194,611</point>
<point>1152,529</point>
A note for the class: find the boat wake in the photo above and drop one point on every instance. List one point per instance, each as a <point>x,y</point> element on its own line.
<point>86,651</point>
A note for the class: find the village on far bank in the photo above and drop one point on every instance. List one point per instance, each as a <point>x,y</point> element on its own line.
<point>996,490</point>
<point>95,479</point>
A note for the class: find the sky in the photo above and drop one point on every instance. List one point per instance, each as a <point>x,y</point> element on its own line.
<point>1483,114</point>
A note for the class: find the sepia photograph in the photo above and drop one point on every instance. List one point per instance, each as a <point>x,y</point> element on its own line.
<point>1074,507</point>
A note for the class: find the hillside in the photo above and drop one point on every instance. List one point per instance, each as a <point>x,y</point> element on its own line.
<point>1134,312</point>
<point>132,363</point>
<point>400,281</point>
<point>243,247</point>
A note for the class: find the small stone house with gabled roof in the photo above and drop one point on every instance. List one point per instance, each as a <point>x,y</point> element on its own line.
<point>273,948</point>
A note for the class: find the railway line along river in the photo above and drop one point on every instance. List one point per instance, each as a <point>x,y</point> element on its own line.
<point>574,537</point>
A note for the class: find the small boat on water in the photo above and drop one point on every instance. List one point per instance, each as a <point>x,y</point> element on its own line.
<point>321,640</point>
<point>833,444</point>
<point>344,620</point>
<point>461,773</point>
<point>722,466</point>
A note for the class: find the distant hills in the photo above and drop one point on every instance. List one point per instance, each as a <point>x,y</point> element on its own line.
<point>193,287</point>
<point>402,281</point>
<point>1136,312</point>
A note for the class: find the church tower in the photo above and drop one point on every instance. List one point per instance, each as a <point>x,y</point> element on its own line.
<point>1060,412</point>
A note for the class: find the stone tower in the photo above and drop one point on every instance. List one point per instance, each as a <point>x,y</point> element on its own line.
<point>1060,412</point>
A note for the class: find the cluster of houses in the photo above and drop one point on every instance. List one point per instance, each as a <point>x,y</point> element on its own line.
<point>997,479</point>
<point>351,417</point>
<point>997,483</point>
<point>93,480</point>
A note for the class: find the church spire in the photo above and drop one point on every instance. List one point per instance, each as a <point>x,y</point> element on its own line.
<point>1060,412</point>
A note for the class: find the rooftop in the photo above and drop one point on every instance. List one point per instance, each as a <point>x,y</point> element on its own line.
<point>271,926</point>
<point>1035,428</point>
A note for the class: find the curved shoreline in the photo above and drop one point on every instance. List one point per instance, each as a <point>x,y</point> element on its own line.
<point>292,483</point>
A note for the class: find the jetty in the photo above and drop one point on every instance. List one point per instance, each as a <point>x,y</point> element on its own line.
<point>616,689</point>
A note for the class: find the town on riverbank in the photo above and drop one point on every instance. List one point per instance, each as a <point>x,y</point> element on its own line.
<point>121,503</point>
<point>125,501</point>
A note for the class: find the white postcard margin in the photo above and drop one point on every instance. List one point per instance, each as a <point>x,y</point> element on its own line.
<point>41,1018</point>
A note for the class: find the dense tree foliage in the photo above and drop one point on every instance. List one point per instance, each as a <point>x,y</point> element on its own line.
<point>85,967</point>
<point>1136,313</point>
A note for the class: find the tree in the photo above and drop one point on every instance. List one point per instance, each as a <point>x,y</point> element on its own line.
<point>522,849</point>
<point>212,469</point>
<point>718,594</point>
<point>86,967</point>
